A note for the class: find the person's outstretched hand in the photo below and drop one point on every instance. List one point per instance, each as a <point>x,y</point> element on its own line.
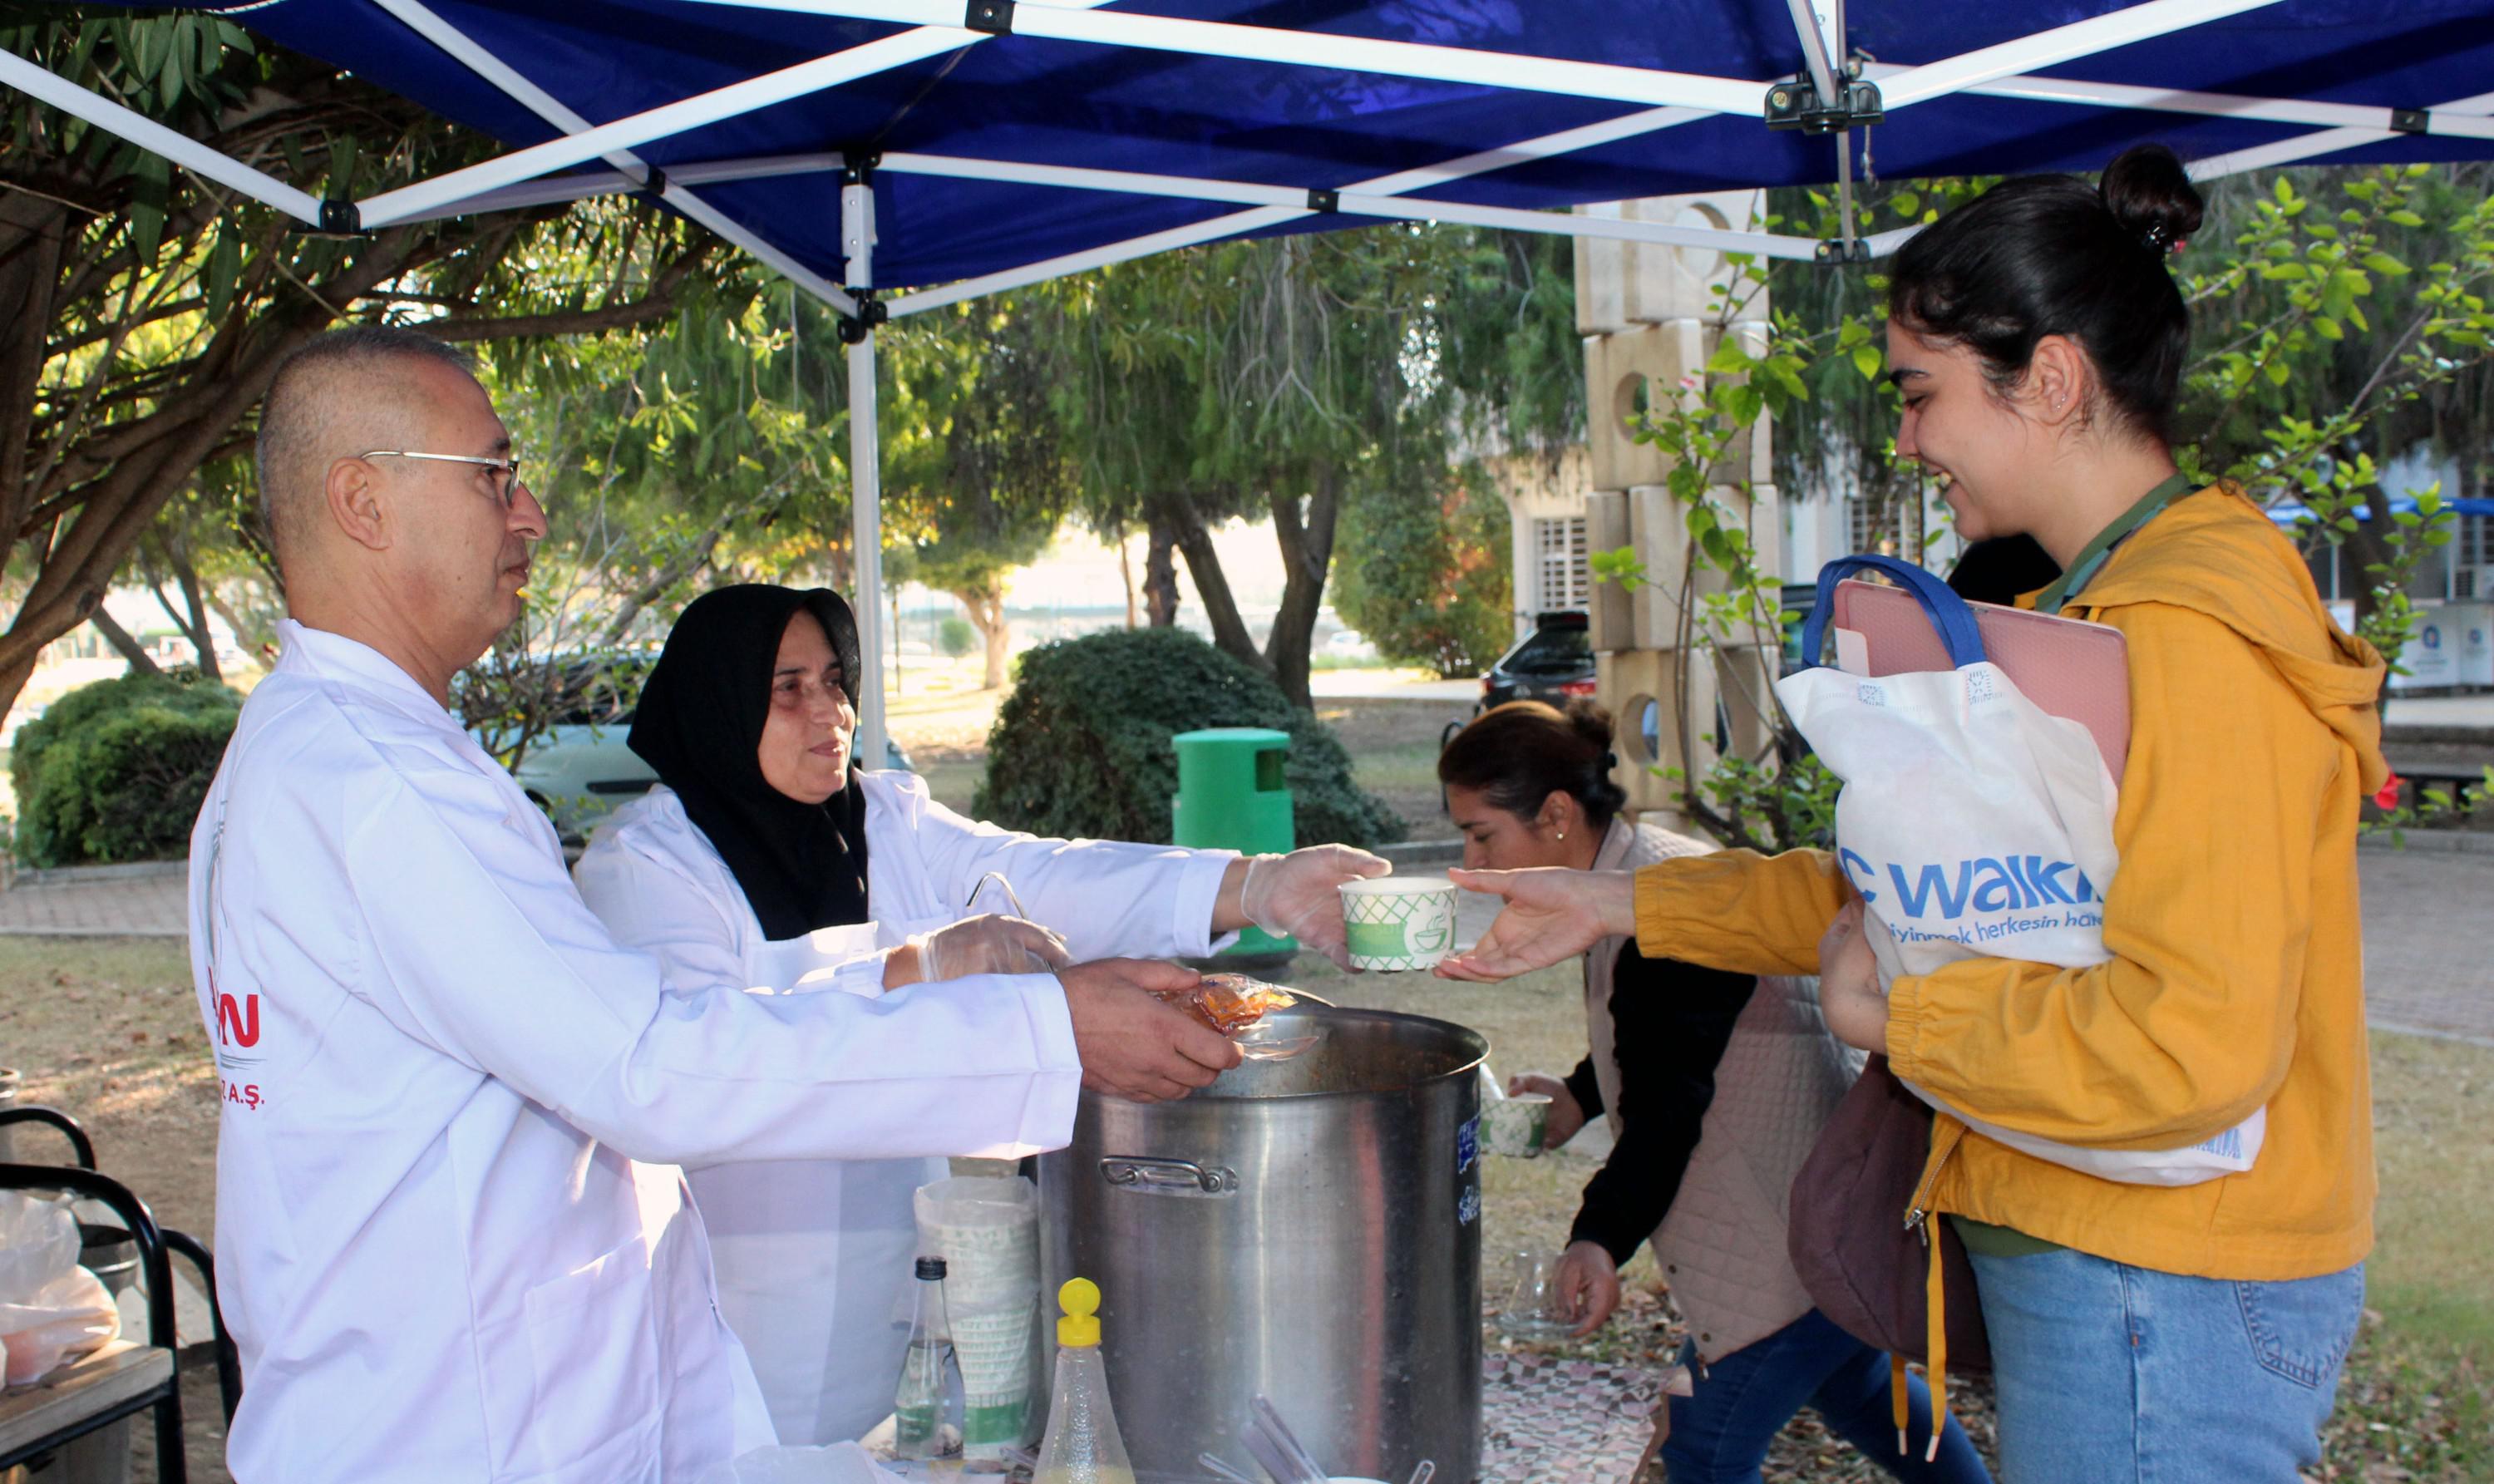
<point>1132,1045</point>
<point>990,943</point>
<point>1299,896</point>
<point>1552,914</point>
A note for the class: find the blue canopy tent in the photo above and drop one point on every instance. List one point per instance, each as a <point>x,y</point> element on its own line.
<point>982,144</point>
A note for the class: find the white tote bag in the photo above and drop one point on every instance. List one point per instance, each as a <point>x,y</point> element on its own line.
<point>1973,823</point>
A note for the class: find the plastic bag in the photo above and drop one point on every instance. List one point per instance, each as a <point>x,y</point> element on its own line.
<point>1230,1002</point>
<point>51,1310</point>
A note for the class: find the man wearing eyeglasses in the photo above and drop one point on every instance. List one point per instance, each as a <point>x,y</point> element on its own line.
<point>438,1068</point>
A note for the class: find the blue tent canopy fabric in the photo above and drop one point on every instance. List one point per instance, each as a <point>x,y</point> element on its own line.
<point>1032,100</point>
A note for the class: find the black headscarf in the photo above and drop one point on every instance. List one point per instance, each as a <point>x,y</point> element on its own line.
<point>802,866</point>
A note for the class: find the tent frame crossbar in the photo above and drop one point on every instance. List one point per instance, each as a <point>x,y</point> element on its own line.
<point>518,180</point>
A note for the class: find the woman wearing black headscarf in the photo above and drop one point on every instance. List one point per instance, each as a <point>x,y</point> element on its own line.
<point>766,853</point>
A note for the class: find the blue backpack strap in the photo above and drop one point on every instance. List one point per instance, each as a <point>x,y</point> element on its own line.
<point>1949,612</point>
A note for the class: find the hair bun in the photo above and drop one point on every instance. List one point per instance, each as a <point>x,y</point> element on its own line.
<point>1589,721</point>
<point>2148,192</point>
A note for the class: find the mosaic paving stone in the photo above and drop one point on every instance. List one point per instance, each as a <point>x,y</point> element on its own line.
<point>1550,1420</point>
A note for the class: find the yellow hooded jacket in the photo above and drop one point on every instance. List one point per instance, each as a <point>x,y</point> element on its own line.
<point>2236,981</point>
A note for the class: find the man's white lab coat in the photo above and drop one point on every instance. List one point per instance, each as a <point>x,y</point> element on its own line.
<point>438,1068</point>
<point>813,1256</point>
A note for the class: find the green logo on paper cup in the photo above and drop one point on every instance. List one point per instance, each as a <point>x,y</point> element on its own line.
<point>1431,934</point>
<point>1376,940</point>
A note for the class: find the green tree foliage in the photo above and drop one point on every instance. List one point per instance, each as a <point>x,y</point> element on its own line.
<point>117,770</point>
<point>954,636</point>
<point>142,311</point>
<point>1428,581</point>
<point>1284,378</point>
<point>1082,747</point>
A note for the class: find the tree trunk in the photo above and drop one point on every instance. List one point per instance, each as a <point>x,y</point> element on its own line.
<point>192,617</point>
<point>1307,553</point>
<point>986,606</point>
<point>121,640</point>
<point>1203,563</point>
<point>1160,572</point>
<point>255,642</point>
<point>1126,572</point>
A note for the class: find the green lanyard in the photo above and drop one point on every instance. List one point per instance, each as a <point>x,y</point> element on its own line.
<point>2091,559</point>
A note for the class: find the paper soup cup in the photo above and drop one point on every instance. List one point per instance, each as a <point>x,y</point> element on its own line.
<point>1513,1125</point>
<point>1399,923</point>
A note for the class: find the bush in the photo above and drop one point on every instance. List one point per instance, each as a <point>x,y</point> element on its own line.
<point>954,636</point>
<point>117,770</point>
<point>1431,583</point>
<point>1082,747</point>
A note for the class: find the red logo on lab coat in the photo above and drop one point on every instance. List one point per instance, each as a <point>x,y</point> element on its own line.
<point>239,1024</point>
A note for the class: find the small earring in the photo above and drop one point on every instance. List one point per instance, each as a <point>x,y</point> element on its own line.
<point>1563,835</point>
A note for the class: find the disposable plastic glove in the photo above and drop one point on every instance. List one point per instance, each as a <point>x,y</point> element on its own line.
<point>1299,896</point>
<point>993,943</point>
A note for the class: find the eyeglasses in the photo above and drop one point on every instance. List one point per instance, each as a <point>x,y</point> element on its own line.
<point>503,488</point>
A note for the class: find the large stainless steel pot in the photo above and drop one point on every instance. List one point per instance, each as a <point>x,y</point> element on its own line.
<point>1307,1229</point>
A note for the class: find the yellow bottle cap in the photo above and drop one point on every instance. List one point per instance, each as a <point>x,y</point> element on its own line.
<point>1079,1298</point>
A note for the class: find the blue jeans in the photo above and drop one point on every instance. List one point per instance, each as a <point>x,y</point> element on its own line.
<point>1719,1435</point>
<point>2109,1373</point>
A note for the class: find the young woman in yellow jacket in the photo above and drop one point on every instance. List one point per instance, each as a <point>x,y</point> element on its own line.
<point>2189,1333</point>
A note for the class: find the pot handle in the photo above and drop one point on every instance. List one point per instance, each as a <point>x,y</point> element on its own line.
<point>1152,1175</point>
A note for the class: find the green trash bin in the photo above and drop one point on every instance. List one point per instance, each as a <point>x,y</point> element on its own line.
<point>1231,795</point>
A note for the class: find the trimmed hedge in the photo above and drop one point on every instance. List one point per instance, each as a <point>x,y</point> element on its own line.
<point>117,770</point>
<point>1082,747</point>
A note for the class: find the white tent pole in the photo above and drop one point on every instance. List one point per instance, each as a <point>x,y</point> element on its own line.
<point>687,113</point>
<point>1814,24</point>
<point>2236,105</point>
<point>544,105</point>
<point>866,473</point>
<point>2061,43</point>
<point>1040,272</point>
<point>658,123</point>
<point>145,132</point>
<point>1059,22</point>
<point>1355,203</point>
<point>1479,163</point>
<point>548,189</point>
<point>2328,141</point>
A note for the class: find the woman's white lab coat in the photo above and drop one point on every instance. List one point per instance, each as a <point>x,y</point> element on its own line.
<point>813,1255</point>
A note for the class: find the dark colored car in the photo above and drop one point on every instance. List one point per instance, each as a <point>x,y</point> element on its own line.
<point>1554,663</point>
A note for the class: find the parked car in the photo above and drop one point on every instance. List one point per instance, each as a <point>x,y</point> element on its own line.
<point>1554,663</point>
<point>582,768</point>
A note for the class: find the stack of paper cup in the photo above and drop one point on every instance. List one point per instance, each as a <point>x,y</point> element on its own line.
<point>987,1231</point>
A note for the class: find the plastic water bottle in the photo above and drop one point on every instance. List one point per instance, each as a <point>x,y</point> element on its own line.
<point>1083,1446</point>
<point>927,1406</point>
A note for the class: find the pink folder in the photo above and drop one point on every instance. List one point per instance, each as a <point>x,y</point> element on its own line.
<point>2069,667</point>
